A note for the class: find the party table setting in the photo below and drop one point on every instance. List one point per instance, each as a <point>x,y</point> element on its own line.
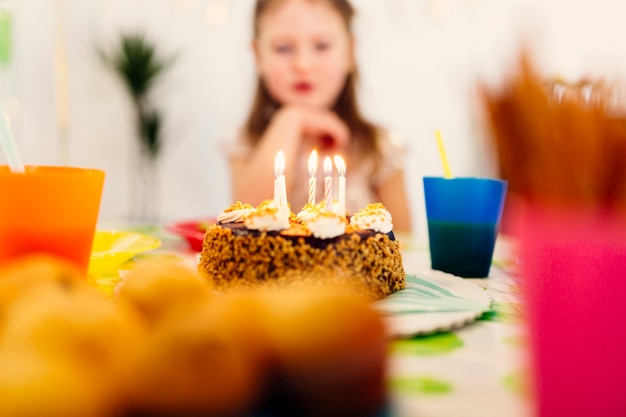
<point>459,350</point>
<point>483,324</point>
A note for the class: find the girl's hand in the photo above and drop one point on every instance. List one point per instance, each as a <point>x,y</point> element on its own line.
<point>252,176</point>
<point>323,127</point>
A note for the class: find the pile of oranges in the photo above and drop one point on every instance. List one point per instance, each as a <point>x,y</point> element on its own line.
<point>166,344</point>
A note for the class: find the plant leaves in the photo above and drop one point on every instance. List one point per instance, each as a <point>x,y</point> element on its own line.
<point>136,62</point>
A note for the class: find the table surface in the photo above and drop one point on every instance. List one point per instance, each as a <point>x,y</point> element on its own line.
<point>478,370</point>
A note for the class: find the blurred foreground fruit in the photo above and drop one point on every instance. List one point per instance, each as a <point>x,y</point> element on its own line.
<point>167,345</point>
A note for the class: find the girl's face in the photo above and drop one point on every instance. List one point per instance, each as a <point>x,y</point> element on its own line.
<point>304,52</point>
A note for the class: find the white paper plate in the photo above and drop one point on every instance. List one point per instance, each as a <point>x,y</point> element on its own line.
<point>433,301</point>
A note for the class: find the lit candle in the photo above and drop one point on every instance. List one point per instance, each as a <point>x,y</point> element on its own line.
<point>280,188</point>
<point>312,176</point>
<point>341,168</point>
<point>328,182</point>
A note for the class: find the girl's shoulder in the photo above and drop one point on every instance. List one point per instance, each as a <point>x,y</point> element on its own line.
<point>391,148</point>
<point>390,140</point>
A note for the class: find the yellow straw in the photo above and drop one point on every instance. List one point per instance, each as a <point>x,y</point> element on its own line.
<point>442,152</point>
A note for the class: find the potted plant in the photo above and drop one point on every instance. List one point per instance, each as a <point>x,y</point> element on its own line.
<point>139,66</point>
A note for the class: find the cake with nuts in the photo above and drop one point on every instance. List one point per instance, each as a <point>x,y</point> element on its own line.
<point>251,246</point>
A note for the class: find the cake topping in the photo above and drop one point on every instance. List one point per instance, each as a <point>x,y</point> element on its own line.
<point>327,225</point>
<point>373,217</point>
<point>309,212</point>
<point>267,218</point>
<point>236,213</point>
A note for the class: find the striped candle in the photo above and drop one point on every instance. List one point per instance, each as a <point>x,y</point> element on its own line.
<point>312,177</point>
<point>328,183</point>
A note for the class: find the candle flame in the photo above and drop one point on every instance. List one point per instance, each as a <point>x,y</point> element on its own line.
<point>279,164</point>
<point>313,163</point>
<point>328,167</point>
<point>341,165</point>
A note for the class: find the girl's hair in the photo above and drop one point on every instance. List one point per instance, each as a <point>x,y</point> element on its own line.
<point>345,107</point>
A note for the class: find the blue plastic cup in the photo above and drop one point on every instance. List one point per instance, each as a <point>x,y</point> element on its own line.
<point>463,222</point>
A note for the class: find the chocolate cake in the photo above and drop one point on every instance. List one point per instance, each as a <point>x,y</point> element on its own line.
<point>239,253</point>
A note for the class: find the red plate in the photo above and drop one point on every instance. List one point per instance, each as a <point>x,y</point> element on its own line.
<point>192,231</point>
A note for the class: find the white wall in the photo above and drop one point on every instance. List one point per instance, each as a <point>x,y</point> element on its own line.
<point>420,61</point>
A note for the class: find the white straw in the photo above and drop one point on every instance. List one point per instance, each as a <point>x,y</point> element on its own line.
<point>8,144</point>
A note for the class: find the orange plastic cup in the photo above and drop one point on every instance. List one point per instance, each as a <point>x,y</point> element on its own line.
<point>49,209</point>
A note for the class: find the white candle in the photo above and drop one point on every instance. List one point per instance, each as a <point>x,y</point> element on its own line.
<point>280,188</point>
<point>312,176</point>
<point>341,168</point>
<point>328,183</point>
<point>284,206</point>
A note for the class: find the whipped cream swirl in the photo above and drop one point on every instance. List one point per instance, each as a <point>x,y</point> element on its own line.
<point>373,217</point>
<point>267,219</point>
<point>309,212</point>
<point>326,225</point>
<point>236,213</point>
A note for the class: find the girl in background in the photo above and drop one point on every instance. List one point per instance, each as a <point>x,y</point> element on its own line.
<point>306,99</point>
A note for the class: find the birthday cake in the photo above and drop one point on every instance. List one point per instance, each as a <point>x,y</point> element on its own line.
<point>254,246</point>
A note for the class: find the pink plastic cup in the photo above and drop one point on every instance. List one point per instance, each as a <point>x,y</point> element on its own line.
<point>574,276</point>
